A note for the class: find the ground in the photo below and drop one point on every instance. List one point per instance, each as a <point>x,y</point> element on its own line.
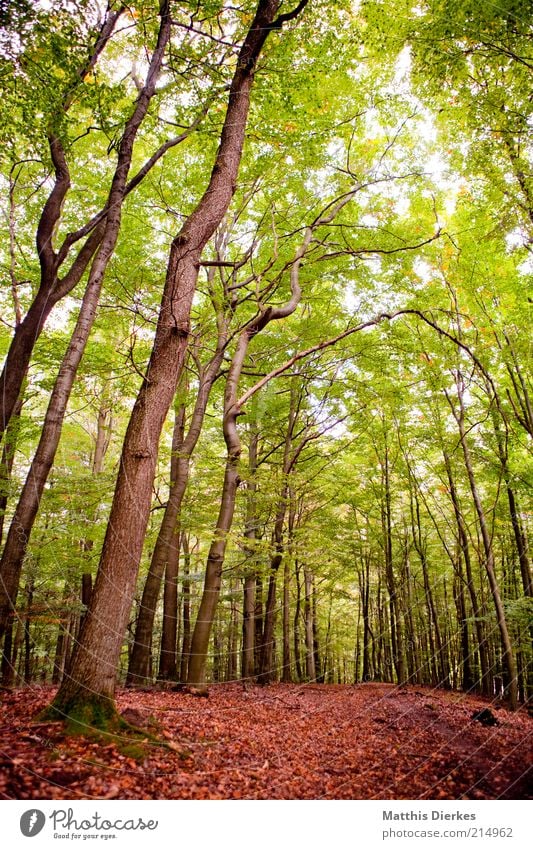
<point>371,741</point>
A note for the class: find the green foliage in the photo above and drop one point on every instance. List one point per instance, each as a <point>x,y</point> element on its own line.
<point>423,114</point>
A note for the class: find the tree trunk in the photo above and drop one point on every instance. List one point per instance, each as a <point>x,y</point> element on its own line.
<point>96,657</point>
<point>15,367</point>
<point>231,663</point>
<point>266,670</point>
<point>51,288</point>
<point>507,648</point>
<point>266,664</point>
<point>26,511</point>
<point>518,531</point>
<point>182,450</point>
<point>213,576</point>
<point>467,681</point>
<point>139,669</point>
<point>168,662</point>
<point>310,669</point>
<point>186,617</point>
<point>258,623</point>
<point>364,594</point>
<point>250,534</point>
<point>232,410</point>
<point>394,605</point>
<point>6,461</point>
<point>286,672</point>
<point>296,624</point>
<point>319,674</point>
<point>433,621</point>
<point>476,606</point>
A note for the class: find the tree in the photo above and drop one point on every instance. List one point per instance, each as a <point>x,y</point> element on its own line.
<point>90,687</point>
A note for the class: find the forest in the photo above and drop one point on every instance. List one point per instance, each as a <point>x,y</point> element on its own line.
<point>266,410</point>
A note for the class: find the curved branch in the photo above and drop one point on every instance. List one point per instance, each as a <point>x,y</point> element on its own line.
<point>52,208</point>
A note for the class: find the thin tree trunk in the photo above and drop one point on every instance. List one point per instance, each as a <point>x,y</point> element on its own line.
<point>266,667</point>
<point>6,461</point>
<point>434,627</point>
<point>258,623</point>
<point>394,606</point>
<point>139,668</point>
<point>250,534</point>
<point>213,574</point>
<point>168,661</point>
<point>507,648</point>
<point>476,606</point>
<point>363,575</point>
<point>518,531</point>
<point>319,674</point>
<point>286,671</point>
<point>215,560</point>
<point>296,623</point>
<point>231,662</point>
<point>289,461</point>
<point>186,616</point>
<point>27,631</point>
<point>51,288</point>
<point>310,669</point>
<point>26,511</point>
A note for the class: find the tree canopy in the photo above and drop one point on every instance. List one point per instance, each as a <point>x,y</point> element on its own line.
<point>266,400</point>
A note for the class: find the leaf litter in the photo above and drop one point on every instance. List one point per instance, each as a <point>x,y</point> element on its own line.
<point>284,741</point>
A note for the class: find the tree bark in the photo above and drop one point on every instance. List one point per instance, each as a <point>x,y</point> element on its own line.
<point>250,534</point>
<point>394,604</point>
<point>22,524</point>
<point>286,671</point>
<point>182,451</point>
<point>6,462</point>
<point>232,410</point>
<point>476,606</point>
<point>51,288</point>
<point>507,648</point>
<point>310,668</point>
<point>93,672</point>
<point>168,663</point>
<point>186,616</point>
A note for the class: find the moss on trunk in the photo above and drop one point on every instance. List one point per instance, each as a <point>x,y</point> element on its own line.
<point>83,714</point>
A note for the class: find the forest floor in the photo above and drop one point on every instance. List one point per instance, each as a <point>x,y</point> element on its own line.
<point>371,741</point>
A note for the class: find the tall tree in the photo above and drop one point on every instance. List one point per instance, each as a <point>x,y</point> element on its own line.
<point>91,683</point>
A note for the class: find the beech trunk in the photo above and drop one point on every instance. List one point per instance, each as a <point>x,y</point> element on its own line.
<point>91,683</point>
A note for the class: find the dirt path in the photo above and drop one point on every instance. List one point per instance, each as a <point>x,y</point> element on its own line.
<point>372,741</point>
